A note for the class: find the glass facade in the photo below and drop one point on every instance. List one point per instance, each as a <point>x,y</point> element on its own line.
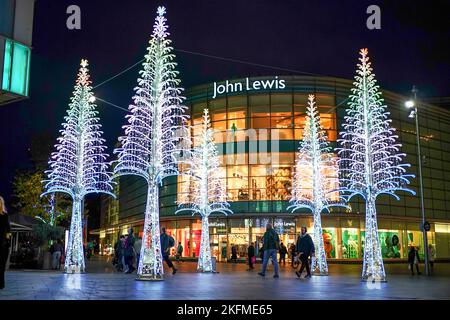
<point>16,68</point>
<point>257,134</point>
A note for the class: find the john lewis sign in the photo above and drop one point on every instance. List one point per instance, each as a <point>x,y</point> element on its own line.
<point>248,85</point>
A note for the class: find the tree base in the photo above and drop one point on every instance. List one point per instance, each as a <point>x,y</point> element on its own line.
<point>371,279</point>
<point>74,270</point>
<point>148,277</point>
<point>211,271</point>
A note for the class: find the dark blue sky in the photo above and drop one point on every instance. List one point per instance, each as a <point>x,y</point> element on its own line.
<point>317,36</point>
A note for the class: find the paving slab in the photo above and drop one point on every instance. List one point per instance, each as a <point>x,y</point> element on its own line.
<point>102,282</point>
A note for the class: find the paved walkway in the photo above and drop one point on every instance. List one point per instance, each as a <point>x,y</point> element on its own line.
<point>232,282</point>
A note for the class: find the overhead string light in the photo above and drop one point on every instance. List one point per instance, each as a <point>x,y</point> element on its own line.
<point>207,194</point>
<point>156,138</point>
<point>315,184</point>
<point>79,167</point>
<point>370,159</point>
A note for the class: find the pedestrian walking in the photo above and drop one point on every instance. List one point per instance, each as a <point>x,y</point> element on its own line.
<point>119,251</point>
<point>167,242</point>
<point>413,260</point>
<point>90,249</point>
<point>5,240</point>
<point>305,249</point>
<point>233,253</point>
<point>251,256</point>
<point>271,245</point>
<point>179,252</point>
<point>137,250</point>
<point>57,251</point>
<point>431,256</point>
<point>283,253</point>
<point>129,252</point>
<point>292,253</point>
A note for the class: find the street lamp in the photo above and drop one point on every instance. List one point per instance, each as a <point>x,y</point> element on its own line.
<point>412,104</point>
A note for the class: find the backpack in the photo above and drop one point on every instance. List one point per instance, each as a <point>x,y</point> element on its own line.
<point>171,242</point>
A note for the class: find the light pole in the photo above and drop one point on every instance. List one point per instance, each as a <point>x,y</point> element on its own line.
<point>414,114</point>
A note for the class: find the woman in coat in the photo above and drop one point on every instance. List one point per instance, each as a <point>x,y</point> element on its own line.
<point>5,236</point>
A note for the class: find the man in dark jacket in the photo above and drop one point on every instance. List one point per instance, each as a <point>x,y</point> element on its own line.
<point>167,242</point>
<point>129,251</point>
<point>305,248</point>
<point>270,246</point>
<point>119,249</point>
<point>251,255</point>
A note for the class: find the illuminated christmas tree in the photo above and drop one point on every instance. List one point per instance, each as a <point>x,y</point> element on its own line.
<point>78,166</point>
<point>370,159</point>
<point>316,184</point>
<point>154,144</point>
<point>206,193</point>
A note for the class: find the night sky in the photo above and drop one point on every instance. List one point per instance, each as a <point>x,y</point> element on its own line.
<point>320,37</point>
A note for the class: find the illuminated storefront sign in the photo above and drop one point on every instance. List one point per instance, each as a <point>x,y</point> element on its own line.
<point>218,227</point>
<point>248,85</point>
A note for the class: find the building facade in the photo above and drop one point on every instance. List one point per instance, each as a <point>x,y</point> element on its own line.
<point>259,123</point>
<point>16,28</point>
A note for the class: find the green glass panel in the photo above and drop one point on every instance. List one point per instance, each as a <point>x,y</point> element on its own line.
<point>7,65</point>
<point>19,77</point>
<point>350,243</point>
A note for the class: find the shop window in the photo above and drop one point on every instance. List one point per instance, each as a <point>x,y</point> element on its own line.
<point>299,120</point>
<point>300,100</point>
<point>237,188</point>
<point>442,240</point>
<point>282,134</point>
<point>280,183</point>
<point>390,242</point>
<point>219,125</point>
<point>329,242</point>
<point>259,100</point>
<point>198,109</point>
<point>325,100</point>
<point>260,110</point>
<point>218,115</point>
<point>235,124</point>
<point>16,65</point>
<point>282,111</point>
<point>283,158</point>
<point>217,106</point>
<point>237,107</point>
<point>298,134</point>
<point>281,122</point>
<point>281,105</point>
<point>260,123</point>
<point>350,243</point>
<point>328,122</point>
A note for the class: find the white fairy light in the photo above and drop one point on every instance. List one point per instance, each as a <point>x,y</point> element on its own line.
<point>79,167</point>
<point>154,138</point>
<point>315,184</point>
<point>370,161</point>
<point>206,192</point>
